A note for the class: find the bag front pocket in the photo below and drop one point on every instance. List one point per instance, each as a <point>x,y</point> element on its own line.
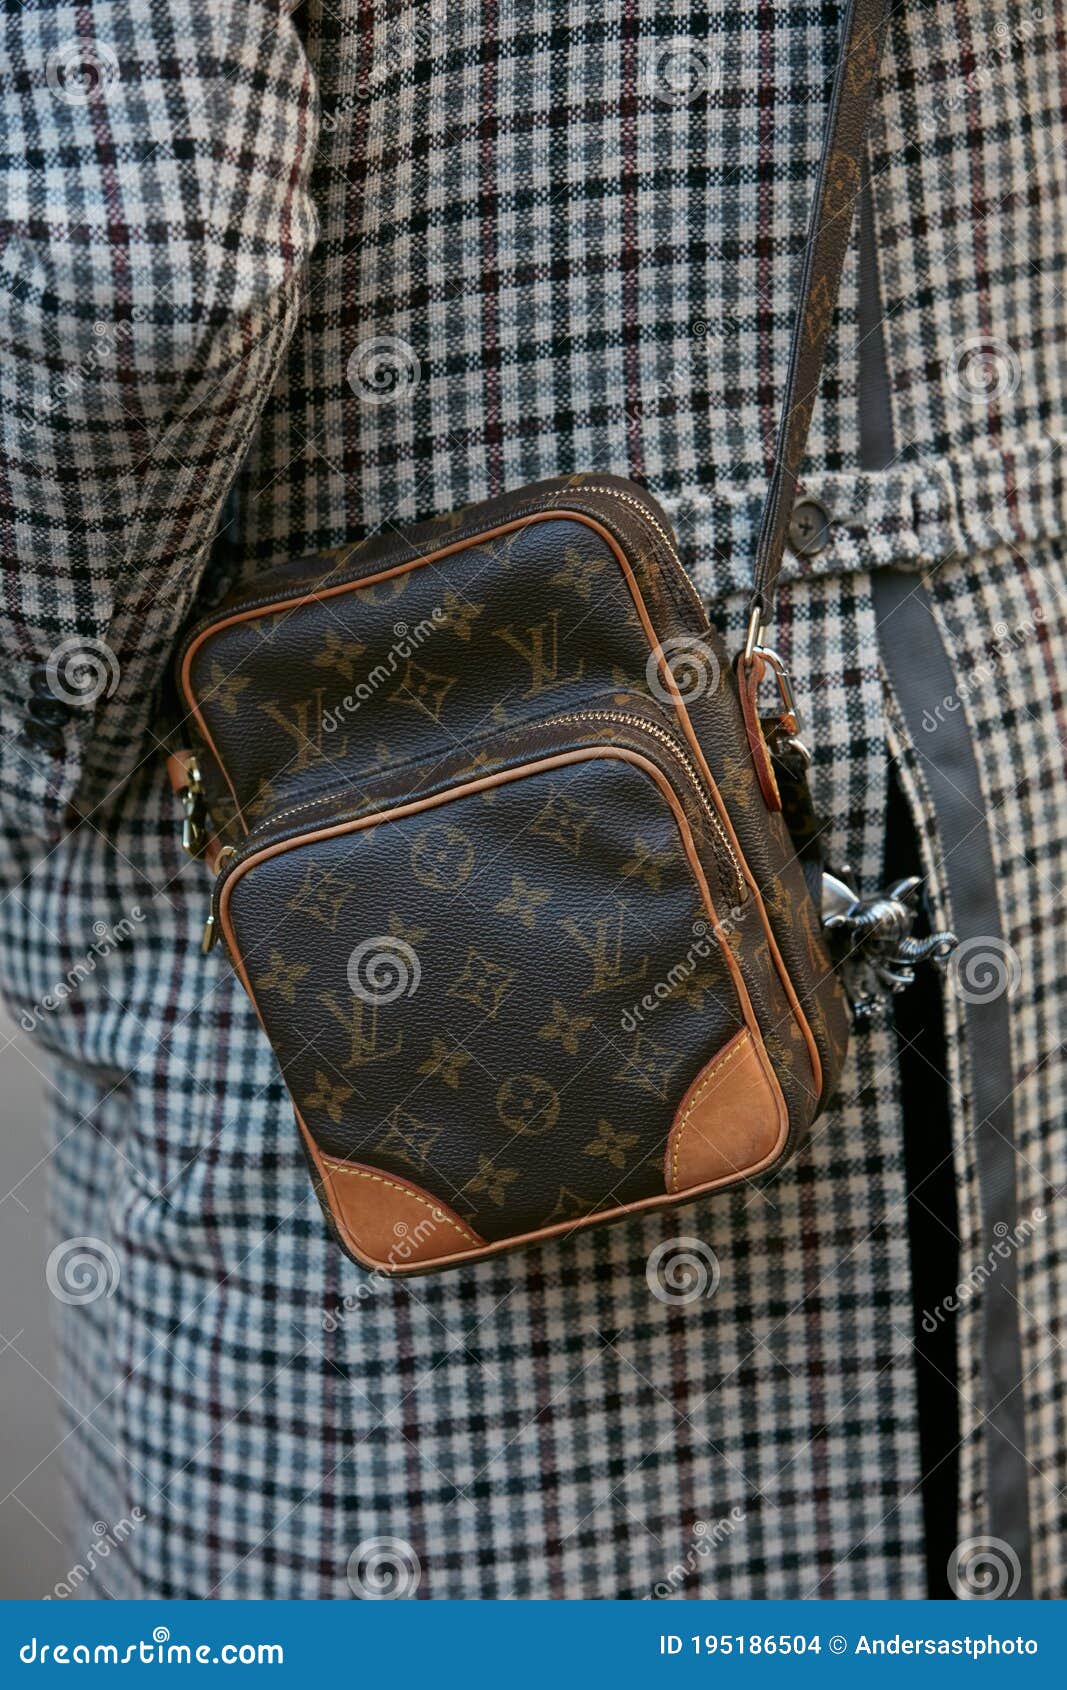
<point>506,1003</point>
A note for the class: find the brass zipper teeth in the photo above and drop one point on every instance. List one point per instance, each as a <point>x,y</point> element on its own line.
<point>629,720</point>
<point>681,758</point>
<point>628,499</point>
<point>284,595</point>
<point>653,522</point>
<point>298,809</point>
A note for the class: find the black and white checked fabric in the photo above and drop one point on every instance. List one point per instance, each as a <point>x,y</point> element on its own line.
<point>574,235</point>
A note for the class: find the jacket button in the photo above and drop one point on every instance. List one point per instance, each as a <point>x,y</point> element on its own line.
<point>53,712</point>
<point>809,527</point>
<point>42,737</point>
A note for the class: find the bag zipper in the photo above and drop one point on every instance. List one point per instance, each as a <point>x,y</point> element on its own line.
<point>566,494</point>
<point>681,757</point>
<point>654,523</point>
<point>230,853</point>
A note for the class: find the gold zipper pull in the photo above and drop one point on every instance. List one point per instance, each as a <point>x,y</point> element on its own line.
<point>210,936</point>
<point>194,811</point>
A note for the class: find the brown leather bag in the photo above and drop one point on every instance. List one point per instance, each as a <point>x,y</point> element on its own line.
<point>500,854</point>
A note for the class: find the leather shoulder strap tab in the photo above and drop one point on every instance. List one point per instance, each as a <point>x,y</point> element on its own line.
<point>837,191</point>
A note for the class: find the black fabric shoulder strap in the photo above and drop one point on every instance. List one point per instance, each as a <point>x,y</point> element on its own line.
<point>837,191</point>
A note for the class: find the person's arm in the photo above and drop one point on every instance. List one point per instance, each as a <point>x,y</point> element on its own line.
<point>155,217</point>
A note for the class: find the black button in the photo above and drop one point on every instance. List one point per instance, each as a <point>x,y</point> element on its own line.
<point>809,527</point>
<point>43,738</point>
<point>39,682</point>
<point>51,711</point>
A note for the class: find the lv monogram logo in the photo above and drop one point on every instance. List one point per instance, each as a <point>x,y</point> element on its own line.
<point>540,649</point>
<point>339,654</point>
<point>305,728</point>
<point>564,822</point>
<point>602,941</point>
<point>842,183</point>
<point>359,1018</point>
<point>492,1180</point>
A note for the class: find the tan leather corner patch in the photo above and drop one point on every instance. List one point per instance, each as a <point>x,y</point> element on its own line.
<point>390,1223</point>
<point>731,1122</point>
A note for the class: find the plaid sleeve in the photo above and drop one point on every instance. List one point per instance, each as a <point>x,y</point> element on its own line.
<point>154,223</point>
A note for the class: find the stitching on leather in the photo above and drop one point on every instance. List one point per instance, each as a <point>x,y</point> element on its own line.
<point>746,1038</point>
<point>406,1191</point>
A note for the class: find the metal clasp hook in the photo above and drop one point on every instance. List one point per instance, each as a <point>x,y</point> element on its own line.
<point>755,646</point>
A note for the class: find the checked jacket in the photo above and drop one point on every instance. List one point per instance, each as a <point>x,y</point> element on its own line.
<point>576,231</point>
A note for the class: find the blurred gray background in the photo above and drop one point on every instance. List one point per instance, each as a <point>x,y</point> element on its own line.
<point>34,1554</point>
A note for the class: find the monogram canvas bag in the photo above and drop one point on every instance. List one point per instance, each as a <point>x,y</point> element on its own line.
<point>499,845</point>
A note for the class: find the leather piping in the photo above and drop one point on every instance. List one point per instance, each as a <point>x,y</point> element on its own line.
<point>666,676</point>
<point>321,1162</point>
<point>749,681</point>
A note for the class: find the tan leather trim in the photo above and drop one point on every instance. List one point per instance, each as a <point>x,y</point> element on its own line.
<point>666,675</point>
<point>178,775</point>
<point>749,677</point>
<point>730,1124</point>
<point>525,1240</point>
<point>178,770</point>
<point>395,1268</point>
<point>389,1222</point>
<point>501,777</point>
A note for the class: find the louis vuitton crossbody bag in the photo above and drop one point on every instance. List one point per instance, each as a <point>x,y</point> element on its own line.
<point>499,844</point>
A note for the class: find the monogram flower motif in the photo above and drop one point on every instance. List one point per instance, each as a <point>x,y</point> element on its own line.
<point>610,1144</point>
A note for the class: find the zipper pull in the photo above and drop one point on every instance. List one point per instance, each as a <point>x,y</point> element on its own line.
<point>194,810</point>
<point>210,936</point>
